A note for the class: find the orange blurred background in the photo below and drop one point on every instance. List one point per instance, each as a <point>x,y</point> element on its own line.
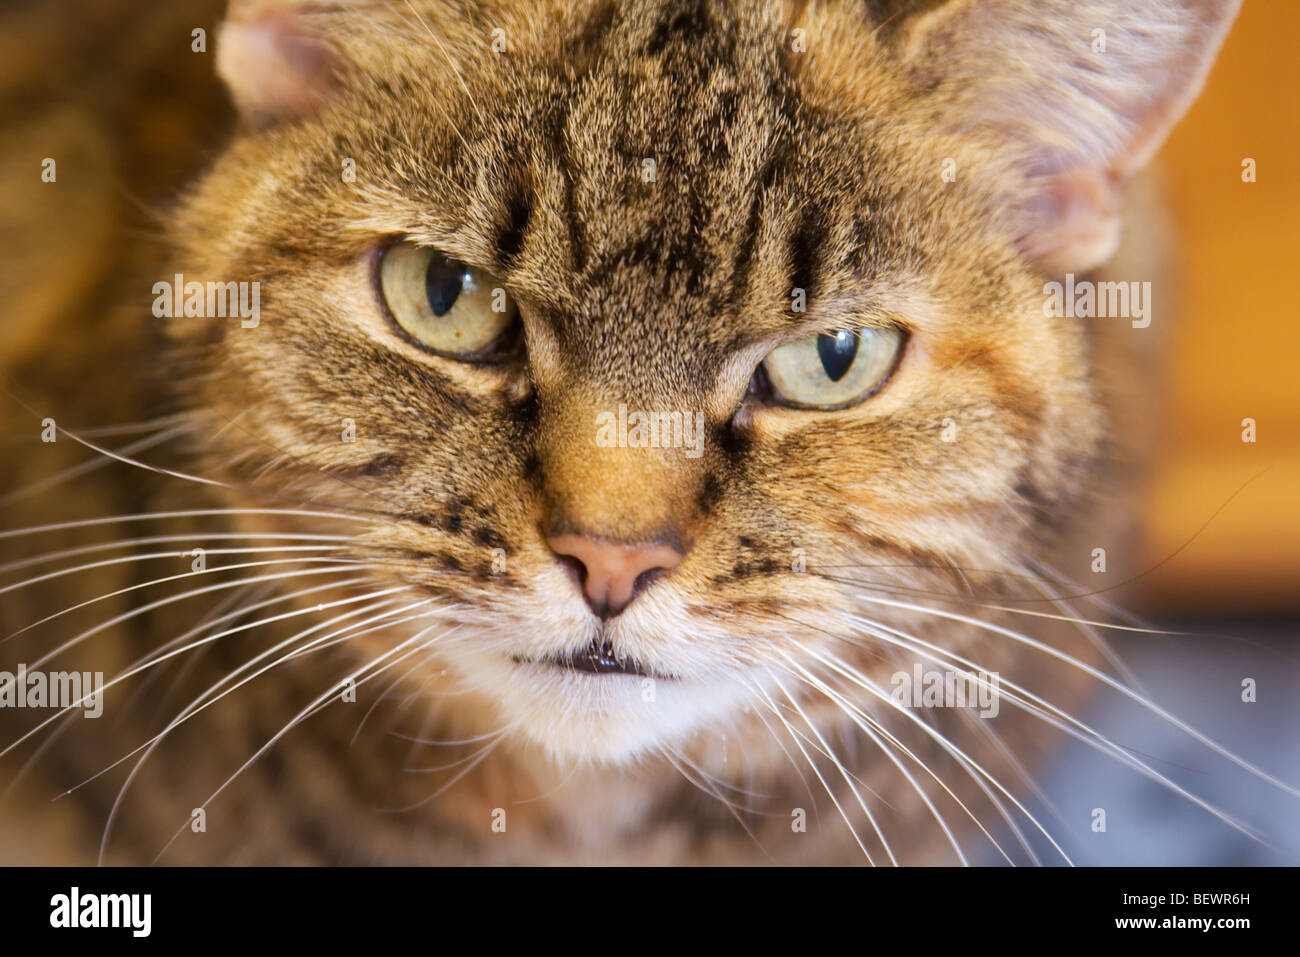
<point>1235,350</point>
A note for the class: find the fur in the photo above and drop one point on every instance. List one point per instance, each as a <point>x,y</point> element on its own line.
<point>999,447</point>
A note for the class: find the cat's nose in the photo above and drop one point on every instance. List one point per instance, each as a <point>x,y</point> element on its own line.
<point>612,572</point>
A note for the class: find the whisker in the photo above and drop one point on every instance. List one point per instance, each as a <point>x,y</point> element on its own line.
<point>91,465</point>
<point>277,599</point>
<point>154,659</point>
<point>297,460</point>
<point>195,707</point>
<point>991,606</point>
<point>697,779</point>
<point>967,762</point>
<point>143,609</point>
<point>133,428</point>
<point>129,559</point>
<point>161,539</point>
<point>1022,773</point>
<point>491,739</point>
<point>184,513</point>
<point>1106,680</point>
<point>447,57</point>
<point>380,698</point>
<point>812,764</point>
<point>113,455</point>
<point>222,610</point>
<point>183,595</point>
<point>717,781</point>
<point>866,723</point>
<point>1044,711</point>
<point>803,778</point>
<point>481,754</point>
<point>356,678</point>
<point>840,767</point>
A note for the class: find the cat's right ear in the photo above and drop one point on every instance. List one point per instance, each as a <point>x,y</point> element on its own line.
<point>275,56</point>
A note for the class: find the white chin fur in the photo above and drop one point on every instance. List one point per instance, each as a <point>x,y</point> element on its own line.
<point>578,718</point>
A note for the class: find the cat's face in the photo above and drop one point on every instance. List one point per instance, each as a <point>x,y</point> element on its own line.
<point>665,194</point>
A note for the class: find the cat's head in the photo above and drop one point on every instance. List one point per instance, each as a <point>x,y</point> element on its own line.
<point>645,333</point>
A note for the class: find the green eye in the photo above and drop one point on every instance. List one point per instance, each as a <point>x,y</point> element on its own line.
<point>833,370</point>
<point>445,305</point>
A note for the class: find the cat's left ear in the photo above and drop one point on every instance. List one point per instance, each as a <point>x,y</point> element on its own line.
<point>1082,93</point>
<point>276,58</point>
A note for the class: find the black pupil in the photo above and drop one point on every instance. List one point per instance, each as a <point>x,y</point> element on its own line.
<point>443,284</point>
<point>837,352</point>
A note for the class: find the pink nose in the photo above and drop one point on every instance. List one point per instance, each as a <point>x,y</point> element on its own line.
<point>610,571</point>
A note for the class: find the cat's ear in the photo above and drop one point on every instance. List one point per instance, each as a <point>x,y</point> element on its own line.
<point>275,56</point>
<point>1082,92</point>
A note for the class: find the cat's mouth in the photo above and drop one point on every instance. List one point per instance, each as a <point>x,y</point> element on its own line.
<point>597,658</point>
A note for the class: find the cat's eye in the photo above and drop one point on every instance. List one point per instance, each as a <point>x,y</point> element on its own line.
<point>833,370</point>
<point>445,305</point>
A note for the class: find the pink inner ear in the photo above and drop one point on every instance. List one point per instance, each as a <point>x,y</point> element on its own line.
<point>1072,223</point>
<point>273,65</point>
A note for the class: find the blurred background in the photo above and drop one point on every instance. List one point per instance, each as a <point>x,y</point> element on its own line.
<point>1236,336</point>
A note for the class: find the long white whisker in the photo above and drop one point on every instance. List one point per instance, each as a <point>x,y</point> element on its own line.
<point>803,778</point>
<point>138,464</point>
<point>329,694</point>
<point>185,513</point>
<point>1106,680</point>
<point>153,660</point>
<point>1025,777</point>
<point>840,767</point>
<point>474,761</point>
<point>817,771</point>
<point>866,723</point>
<point>336,565</point>
<point>703,782</point>
<point>1044,710</point>
<point>199,704</point>
<point>133,428</point>
<point>969,763</point>
<point>82,468</point>
<point>451,63</point>
<point>128,559</point>
<point>967,600</point>
<point>160,539</point>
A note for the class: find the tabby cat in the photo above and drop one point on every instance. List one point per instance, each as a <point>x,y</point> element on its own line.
<point>550,432</point>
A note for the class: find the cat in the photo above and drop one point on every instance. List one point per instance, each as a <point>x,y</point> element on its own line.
<point>397,401</point>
